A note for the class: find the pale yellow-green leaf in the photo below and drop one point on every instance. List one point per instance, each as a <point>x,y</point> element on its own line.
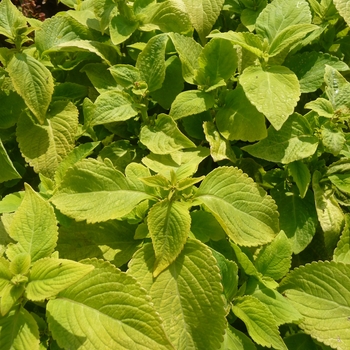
<point>94,191</point>
<point>320,291</point>
<point>274,91</point>
<point>19,331</point>
<point>112,106</point>
<point>186,295</point>
<point>164,136</point>
<point>49,276</point>
<point>33,227</point>
<point>203,14</point>
<point>343,6</point>
<point>247,214</point>
<point>329,213</point>
<point>5,274</point>
<point>106,52</point>
<point>275,259</point>
<point>281,308</point>
<point>220,148</point>
<point>8,171</point>
<point>44,146</point>
<point>259,320</point>
<point>106,309</point>
<point>169,224</point>
<point>191,102</point>
<point>10,295</point>
<point>33,82</point>
<point>183,163</point>
<point>188,50</point>
<point>12,21</point>
<point>20,264</point>
<point>342,251</point>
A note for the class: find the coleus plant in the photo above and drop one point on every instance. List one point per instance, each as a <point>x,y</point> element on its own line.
<point>175,175</point>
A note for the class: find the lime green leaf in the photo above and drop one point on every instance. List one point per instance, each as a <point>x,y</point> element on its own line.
<point>171,16</point>
<point>229,275</point>
<point>33,227</point>
<point>274,91</point>
<point>280,307</point>
<point>164,136</point>
<point>238,119</point>
<point>203,15</point>
<point>281,14</point>
<point>343,8</point>
<point>11,202</point>
<point>320,292</point>
<point>173,83</point>
<point>112,106</point>
<point>11,293</point>
<point>217,62</point>
<point>12,20</point>
<point>329,213</point>
<point>248,41</point>
<point>333,138</point>
<point>44,146</point>
<point>235,339</point>
<point>121,28</point>
<point>78,153</point>
<point>193,276</point>
<point>191,102</point>
<point>157,181</point>
<point>183,163</point>
<point>58,30</point>
<point>292,142</point>
<point>101,295</point>
<point>20,264</point>
<point>322,107</point>
<point>19,330</point>
<point>189,51</point>
<point>247,214</point>
<point>112,240</point>
<point>95,192</point>
<point>169,224</point>
<point>275,259</point>
<point>342,181</point>
<point>342,252</point>
<point>245,263</point>
<point>134,173</point>
<point>288,37</point>
<point>298,217</point>
<point>5,274</point>
<point>309,67</point>
<point>8,171</point>
<point>259,320</point>
<point>33,82</point>
<point>219,147</point>
<point>125,74</point>
<point>301,175</point>
<point>50,276</point>
<point>338,88</point>
<point>108,53</point>
<point>151,62</point>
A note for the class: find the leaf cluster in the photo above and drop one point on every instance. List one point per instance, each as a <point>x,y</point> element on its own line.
<point>175,175</point>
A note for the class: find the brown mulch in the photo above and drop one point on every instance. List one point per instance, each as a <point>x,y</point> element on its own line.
<point>39,9</point>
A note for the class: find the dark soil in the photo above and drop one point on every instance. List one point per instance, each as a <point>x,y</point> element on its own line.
<point>39,9</point>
